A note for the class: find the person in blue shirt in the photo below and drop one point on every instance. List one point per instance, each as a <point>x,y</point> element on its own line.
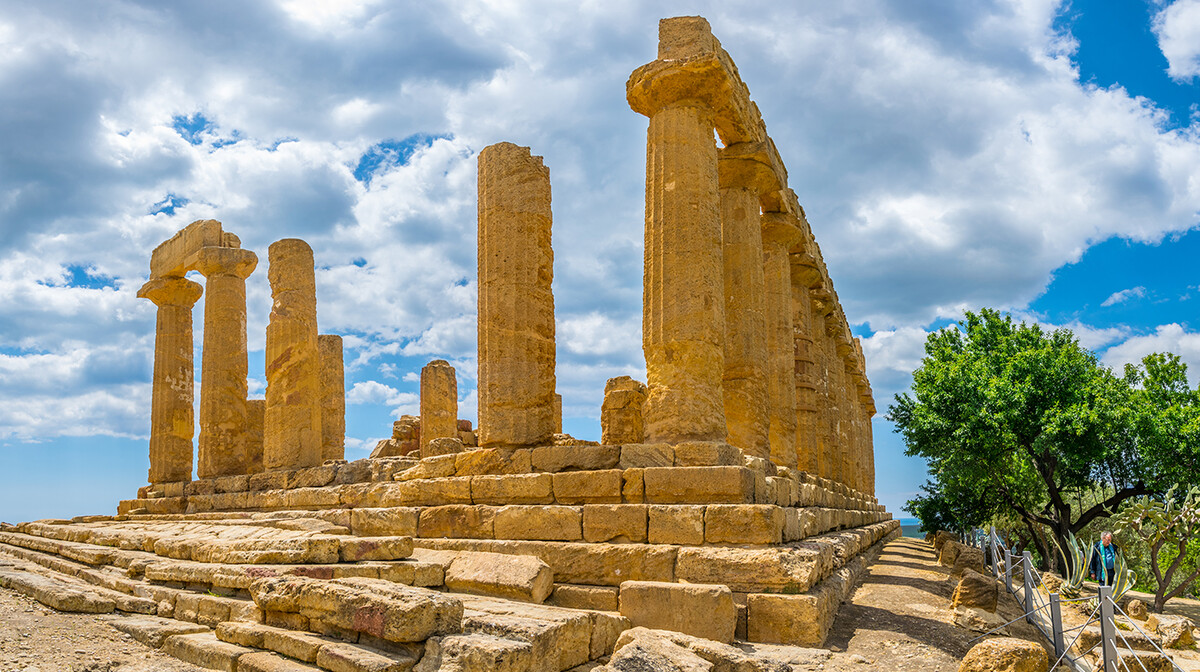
<point>1104,560</point>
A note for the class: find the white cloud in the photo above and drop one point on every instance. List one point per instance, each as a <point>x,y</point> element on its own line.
<point>1173,338</point>
<point>1177,26</point>
<point>1124,295</point>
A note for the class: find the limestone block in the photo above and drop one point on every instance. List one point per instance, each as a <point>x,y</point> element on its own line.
<point>171,419</point>
<point>641,455</point>
<point>440,466</point>
<point>743,524</point>
<point>512,489</point>
<point>270,480</point>
<point>203,649</point>
<point>516,306</point>
<point>793,529</point>
<point>615,523</point>
<point>597,598</point>
<point>633,486</point>
<point>588,487</point>
<point>430,492</point>
<point>408,427</point>
<point>580,563</point>
<point>656,654</point>
<point>544,523</point>
<point>55,593</point>
<point>333,397</point>
<point>707,453</point>
<point>1005,654</point>
<point>439,404</point>
<point>390,611</point>
<point>621,418</point>
<point>949,553</point>
<point>512,577</point>
<point>353,549</point>
<point>575,458</point>
<point>795,568</point>
<point>176,255</point>
<point>338,657</point>
<point>695,609</point>
<point>975,590</point>
<point>684,485</point>
<point>1175,630</point>
<point>472,522</point>
<point>153,631</point>
<point>443,445</point>
<point>265,661</point>
<point>676,524</point>
<point>560,639</point>
<point>292,434</point>
<point>475,652</point>
<point>311,477</point>
<point>968,558</point>
<point>799,620</point>
<point>493,461</point>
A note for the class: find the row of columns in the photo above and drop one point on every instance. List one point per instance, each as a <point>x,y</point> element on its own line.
<point>301,422</point>
<point>743,339</point>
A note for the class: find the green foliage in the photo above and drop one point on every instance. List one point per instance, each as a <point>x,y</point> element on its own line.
<point>1170,528</point>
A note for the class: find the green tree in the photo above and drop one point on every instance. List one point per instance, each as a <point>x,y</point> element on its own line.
<point>1171,530</point>
<point>1017,419</point>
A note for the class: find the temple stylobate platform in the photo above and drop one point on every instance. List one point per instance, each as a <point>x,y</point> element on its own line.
<point>729,502</point>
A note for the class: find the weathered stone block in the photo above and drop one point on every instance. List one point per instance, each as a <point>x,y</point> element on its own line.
<point>456,520</point>
<point>440,466</point>
<point>743,524</point>
<point>700,610</point>
<point>975,590</point>
<point>354,549</point>
<point>643,455</point>
<point>707,453</point>
<point>384,522</point>
<point>798,620</point>
<point>203,649</point>
<point>484,461</point>
<point>695,485</point>
<point>621,419</point>
<point>615,523</point>
<point>633,486</point>
<point>793,568</point>
<point>513,489</point>
<point>676,524</point>
<point>598,598</point>
<point>430,492</point>
<point>542,523</point>
<point>513,577</point>
<point>444,445</point>
<point>575,458</point>
<point>588,487</point>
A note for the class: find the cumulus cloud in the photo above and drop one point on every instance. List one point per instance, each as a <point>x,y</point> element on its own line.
<point>1177,26</point>
<point>1124,295</point>
<point>1173,338</point>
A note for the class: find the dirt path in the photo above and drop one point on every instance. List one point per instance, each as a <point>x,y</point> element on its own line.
<point>899,618</point>
<point>34,638</point>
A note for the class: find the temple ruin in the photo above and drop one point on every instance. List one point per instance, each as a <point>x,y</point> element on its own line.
<point>731,496</point>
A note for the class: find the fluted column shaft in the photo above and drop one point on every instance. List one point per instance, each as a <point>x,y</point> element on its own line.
<point>516,304</point>
<point>778,236</point>
<point>808,454</point>
<point>171,416</point>
<point>292,434</point>
<point>224,369</point>
<point>823,427</point>
<point>683,314</point>
<point>744,383</point>
<point>333,397</point>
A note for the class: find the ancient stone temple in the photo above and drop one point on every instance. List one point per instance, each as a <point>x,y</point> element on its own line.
<point>730,498</point>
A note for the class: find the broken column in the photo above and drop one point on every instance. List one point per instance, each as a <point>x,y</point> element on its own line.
<point>171,419</point>
<point>224,368</point>
<point>333,397</point>
<point>292,419</point>
<point>683,314</point>
<point>516,307</point>
<point>779,233</point>
<point>743,177</point>
<point>621,413</point>
<point>439,403</point>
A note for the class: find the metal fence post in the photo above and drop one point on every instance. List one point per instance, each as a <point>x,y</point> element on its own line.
<point>995,553</point>
<point>1027,580</point>
<point>1056,625</point>
<point>1108,630</point>
<point>1008,570</point>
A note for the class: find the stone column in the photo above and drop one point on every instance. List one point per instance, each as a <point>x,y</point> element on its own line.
<point>439,403</point>
<point>171,420</point>
<point>516,305</point>
<point>255,409</point>
<point>744,382</point>
<point>850,410</point>
<point>683,313</point>
<point>779,234</point>
<point>836,373</point>
<point>808,453</point>
<point>333,397</point>
<point>223,368</point>
<point>621,413</point>
<point>558,413</point>
<point>292,435</point>
<point>825,443</point>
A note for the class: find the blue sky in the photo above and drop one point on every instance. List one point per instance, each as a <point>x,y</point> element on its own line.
<point>1029,155</point>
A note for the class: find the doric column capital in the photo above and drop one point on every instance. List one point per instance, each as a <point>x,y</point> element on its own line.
<point>235,261</point>
<point>780,228</point>
<point>751,165</point>
<point>171,291</point>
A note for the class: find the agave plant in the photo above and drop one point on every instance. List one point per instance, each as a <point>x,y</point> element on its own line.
<point>1076,565</point>
<point>1123,577</point>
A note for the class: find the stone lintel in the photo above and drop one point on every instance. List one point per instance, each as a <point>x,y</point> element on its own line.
<point>175,255</point>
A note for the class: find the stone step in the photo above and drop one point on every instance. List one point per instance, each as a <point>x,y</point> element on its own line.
<point>84,580</point>
<point>54,592</point>
<point>153,630</point>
